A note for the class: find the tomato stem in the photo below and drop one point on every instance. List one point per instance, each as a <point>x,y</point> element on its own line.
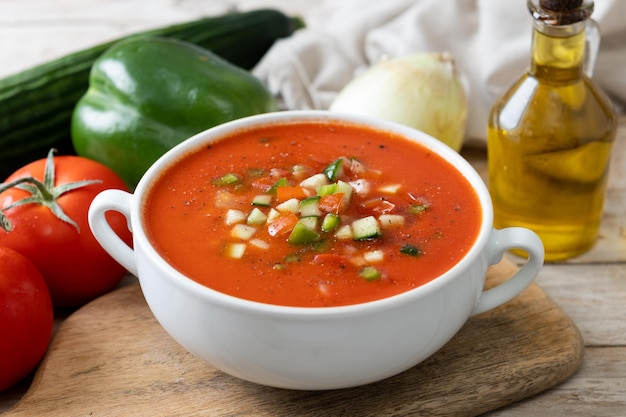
<point>43,193</point>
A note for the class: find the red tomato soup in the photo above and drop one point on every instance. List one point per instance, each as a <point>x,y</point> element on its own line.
<point>312,215</point>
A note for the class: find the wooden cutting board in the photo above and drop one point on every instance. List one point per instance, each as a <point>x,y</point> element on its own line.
<point>111,358</point>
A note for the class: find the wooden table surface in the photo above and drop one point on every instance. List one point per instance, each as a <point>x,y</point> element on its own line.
<point>591,289</point>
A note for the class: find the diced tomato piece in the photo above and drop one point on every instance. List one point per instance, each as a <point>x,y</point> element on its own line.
<point>331,203</point>
<point>263,183</point>
<point>282,224</point>
<point>329,259</point>
<point>288,192</point>
<point>377,206</point>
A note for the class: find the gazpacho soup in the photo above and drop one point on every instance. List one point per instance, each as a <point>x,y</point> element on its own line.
<point>312,214</point>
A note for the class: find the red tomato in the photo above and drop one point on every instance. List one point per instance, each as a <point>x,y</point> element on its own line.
<point>26,317</point>
<point>74,265</point>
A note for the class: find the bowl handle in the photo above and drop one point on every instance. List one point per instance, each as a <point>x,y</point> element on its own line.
<point>501,241</point>
<point>108,200</point>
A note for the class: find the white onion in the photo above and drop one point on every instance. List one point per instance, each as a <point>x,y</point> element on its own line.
<point>420,90</point>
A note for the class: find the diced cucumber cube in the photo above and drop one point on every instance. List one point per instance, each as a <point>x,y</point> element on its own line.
<point>227,179</point>
<point>314,181</point>
<point>347,190</point>
<point>344,232</point>
<point>302,234</point>
<point>235,250</point>
<point>263,200</point>
<point>242,231</point>
<point>334,170</point>
<point>256,217</point>
<point>234,216</point>
<point>365,228</point>
<point>310,207</point>
<point>273,213</point>
<point>292,205</point>
<point>310,221</point>
<point>326,189</point>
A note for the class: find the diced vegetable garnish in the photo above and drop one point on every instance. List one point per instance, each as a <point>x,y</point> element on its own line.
<point>417,208</point>
<point>312,211</point>
<point>290,206</point>
<point>391,220</point>
<point>332,203</point>
<point>410,250</point>
<point>370,273</point>
<point>326,189</point>
<point>263,200</point>
<point>242,231</point>
<point>282,224</point>
<point>344,232</point>
<point>334,170</point>
<point>272,214</point>
<point>374,256</point>
<point>330,222</point>
<point>302,233</point>
<point>235,250</point>
<point>235,216</point>
<point>314,181</point>
<point>365,228</point>
<point>280,183</point>
<point>310,207</point>
<point>287,192</point>
<point>361,186</point>
<point>227,179</point>
<point>256,217</point>
<point>310,221</point>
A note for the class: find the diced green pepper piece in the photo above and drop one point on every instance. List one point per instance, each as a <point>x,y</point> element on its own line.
<point>302,234</point>
<point>330,222</point>
<point>227,179</point>
<point>370,273</point>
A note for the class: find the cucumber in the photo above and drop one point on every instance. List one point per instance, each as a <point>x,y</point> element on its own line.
<point>36,104</point>
<point>303,233</point>
<point>365,228</point>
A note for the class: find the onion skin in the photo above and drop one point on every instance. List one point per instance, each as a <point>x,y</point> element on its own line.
<point>421,90</point>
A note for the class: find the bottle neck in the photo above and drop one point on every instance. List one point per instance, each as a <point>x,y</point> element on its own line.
<point>558,51</point>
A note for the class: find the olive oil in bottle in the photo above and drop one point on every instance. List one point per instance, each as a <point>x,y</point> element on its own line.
<point>550,136</point>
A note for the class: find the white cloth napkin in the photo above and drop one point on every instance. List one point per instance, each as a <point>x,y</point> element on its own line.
<point>489,40</point>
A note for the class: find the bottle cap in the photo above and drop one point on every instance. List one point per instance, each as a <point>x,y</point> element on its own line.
<point>560,12</point>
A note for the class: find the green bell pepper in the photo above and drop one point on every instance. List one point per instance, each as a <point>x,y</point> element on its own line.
<point>147,95</point>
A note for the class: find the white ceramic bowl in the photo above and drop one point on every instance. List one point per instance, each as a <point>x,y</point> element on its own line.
<point>315,348</point>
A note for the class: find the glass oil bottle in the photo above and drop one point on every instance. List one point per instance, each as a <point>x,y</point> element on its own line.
<point>550,136</point>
